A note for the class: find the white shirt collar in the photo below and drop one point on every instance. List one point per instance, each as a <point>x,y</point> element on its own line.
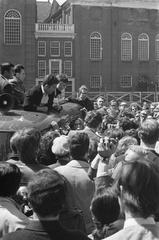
<point>138,221</point>
<point>42,89</point>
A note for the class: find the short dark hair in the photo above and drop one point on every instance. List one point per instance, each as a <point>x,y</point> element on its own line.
<point>10,177</point>
<point>26,142</point>
<point>62,78</point>
<point>93,119</point>
<point>105,206</point>
<point>18,68</point>
<point>50,80</point>
<point>79,145</point>
<point>139,183</point>
<point>6,67</point>
<point>149,131</point>
<point>46,192</point>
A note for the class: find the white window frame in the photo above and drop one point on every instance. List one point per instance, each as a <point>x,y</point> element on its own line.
<point>60,65</point>
<point>67,55</point>
<point>65,71</point>
<point>20,27</point>
<point>126,54</point>
<point>100,81</point>
<point>41,61</point>
<point>143,37</point>
<point>55,55</point>
<point>42,55</point>
<point>95,36</point>
<point>121,78</point>
<point>157,47</point>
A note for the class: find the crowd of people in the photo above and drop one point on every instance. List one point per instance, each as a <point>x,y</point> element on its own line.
<point>92,176</point>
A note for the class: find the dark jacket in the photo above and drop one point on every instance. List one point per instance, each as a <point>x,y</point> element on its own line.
<point>34,96</point>
<point>48,230</point>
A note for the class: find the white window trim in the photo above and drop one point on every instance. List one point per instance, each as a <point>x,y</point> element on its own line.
<point>66,55</point>
<point>71,67</point>
<point>122,39</point>
<point>13,44</point>
<point>54,55</point>
<point>55,60</point>
<point>44,61</point>
<point>40,55</point>
<point>101,44</point>
<point>157,43</point>
<point>146,40</point>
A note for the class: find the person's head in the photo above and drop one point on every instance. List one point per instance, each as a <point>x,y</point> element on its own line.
<point>19,72</point>
<point>122,106</point>
<point>149,131</point>
<point>45,155</point>
<point>82,92</point>
<point>10,177</point>
<point>49,83</point>
<point>7,70</point>
<point>138,188</point>
<point>26,143</point>
<point>126,124</point>
<point>143,115</point>
<point>105,207</point>
<point>79,145</point>
<point>63,80</point>
<point>124,144</point>
<point>93,119</point>
<point>100,101</point>
<point>60,147</point>
<point>46,193</point>
<point>113,104</point>
<point>135,152</point>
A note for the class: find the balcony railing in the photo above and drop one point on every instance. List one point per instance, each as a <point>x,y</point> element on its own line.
<point>50,27</point>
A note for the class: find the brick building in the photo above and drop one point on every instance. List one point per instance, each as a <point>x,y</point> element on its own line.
<point>17,31</point>
<point>109,45</point>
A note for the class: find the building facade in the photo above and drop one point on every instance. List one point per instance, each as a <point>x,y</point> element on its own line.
<point>17,30</point>
<point>108,45</point>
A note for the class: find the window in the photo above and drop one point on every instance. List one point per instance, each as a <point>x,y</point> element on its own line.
<point>12,27</point>
<point>126,81</point>
<point>157,47</point>
<point>41,68</point>
<point>95,46</point>
<point>68,68</point>
<point>126,47</point>
<point>55,66</point>
<point>95,81</point>
<point>55,48</point>
<point>143,47</point>
<point>41,48</point>
<point>68,49</point>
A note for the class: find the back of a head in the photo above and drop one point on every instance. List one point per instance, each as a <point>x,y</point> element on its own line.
<point>46,193</point>
<point>79,145</point>
<point>93,119</point>
<point>10,177</point>
<point>138,186</point>
<point>27,144</point>
<point>6,67</point>
<point>18,68</point>
<point>62,78</point>
<point>149,131</point>
<point>105,206</point>
<point>50,80</point>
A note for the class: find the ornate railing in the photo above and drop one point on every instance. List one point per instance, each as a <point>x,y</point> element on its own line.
<point>50,27</point>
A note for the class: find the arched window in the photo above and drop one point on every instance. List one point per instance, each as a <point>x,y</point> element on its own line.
<point>12,27</point>
<point>95,46</point>
<point>126,47</point>
<point>143,47</point>
<point>157,47</point>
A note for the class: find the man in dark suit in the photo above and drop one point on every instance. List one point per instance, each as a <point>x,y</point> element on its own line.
<point>46,194</point>
<point>35,95</point>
